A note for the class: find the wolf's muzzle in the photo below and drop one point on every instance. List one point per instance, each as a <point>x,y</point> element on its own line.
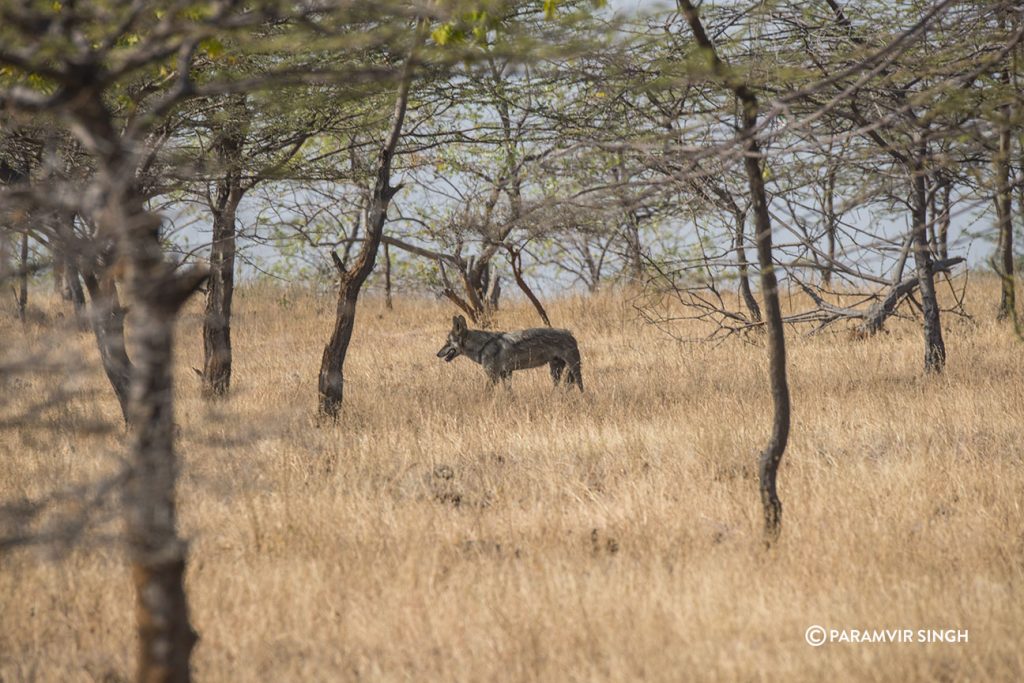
<point>448,353</point>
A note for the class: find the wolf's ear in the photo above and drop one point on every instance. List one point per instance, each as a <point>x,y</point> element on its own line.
<point>458,323</point>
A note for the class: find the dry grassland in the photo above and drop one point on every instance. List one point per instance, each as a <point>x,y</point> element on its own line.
<point>443,532</point>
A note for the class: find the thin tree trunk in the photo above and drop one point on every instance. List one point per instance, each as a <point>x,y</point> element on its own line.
<point>387,277</point>
<point>1004,218</point>
<point>934,348</point>
<point>944,214</point>
<point>515,259</point>
<point>22,298</point>
<point>771,456</point>
<point>634,248</point>
<point>744,273</point>
<point>73,285</point>
<point>60,260</point>
<point>933,211</point>
<point>332,378</point>
<point>830,226</point>
<point>107,320</point>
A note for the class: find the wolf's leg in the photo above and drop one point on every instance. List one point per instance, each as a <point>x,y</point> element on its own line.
<point>557,366</point>
<point>576,376</point>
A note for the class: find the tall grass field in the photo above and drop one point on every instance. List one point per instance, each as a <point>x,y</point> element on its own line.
<point>444,531</point>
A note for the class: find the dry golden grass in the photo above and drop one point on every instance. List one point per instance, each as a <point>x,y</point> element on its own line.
<point>444,532</point>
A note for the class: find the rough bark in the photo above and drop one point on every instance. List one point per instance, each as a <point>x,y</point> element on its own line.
<point>158,554</point>
<point>156,291</point>
<point>332,378</point>
<point>216,374</point>
<point>934,347</point>
<point>771,456</point>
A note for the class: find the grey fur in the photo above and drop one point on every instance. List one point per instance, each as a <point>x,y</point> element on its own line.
<point>500,353</point>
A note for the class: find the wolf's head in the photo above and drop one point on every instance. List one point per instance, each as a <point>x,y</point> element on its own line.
<point>456,338</point>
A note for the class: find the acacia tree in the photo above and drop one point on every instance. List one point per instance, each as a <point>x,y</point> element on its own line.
<point>249,146</point>
<point>771,456</point>
<point>351,279</point>
<point>146,53</point>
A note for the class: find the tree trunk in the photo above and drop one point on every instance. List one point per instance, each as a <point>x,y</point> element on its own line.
<point>944,216</point>
<point>332,364</point>
<point>741,259</point>
<point>73,285</point>
<point>229,148</point>
<point>387,277</point>
<point>934,348</point>
<point>771,456</point>
<point>59,259</point>
<point>219,294</point>
<point>22,298</point>
<point>158,554</point>
<point>830,226</point>
<point>1004,218</point>
<point>634,249</point>
<point>515,259</point>
<point>107,320</point>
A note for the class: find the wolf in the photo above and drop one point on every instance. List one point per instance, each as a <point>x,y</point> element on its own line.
<point>500,353</point>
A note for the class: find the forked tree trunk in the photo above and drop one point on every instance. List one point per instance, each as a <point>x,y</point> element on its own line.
<point>332,364</point>
<point>934,347</point>
<point>771,456</point>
